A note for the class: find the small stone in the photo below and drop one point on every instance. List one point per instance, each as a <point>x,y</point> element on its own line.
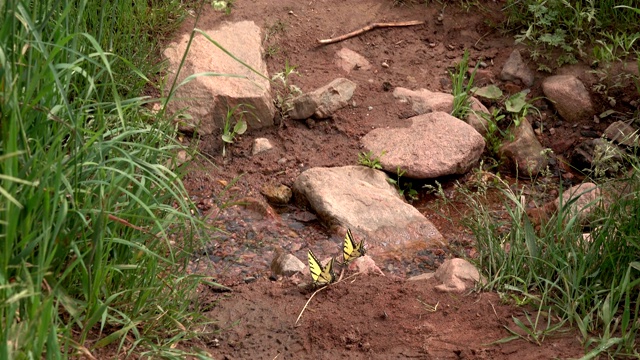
<point>589,134</point>
<point>622,133</point>
<point>279,195</point>
<point>324,101</point>
<point>310,123</point>
<point>552,131</point>
<point>385,65</point>
<point>284,264</point>
<point>261,145</point>
<point>370,108</point>
<point>350,60</point>
<point>515,69</point>
<point>457,275</point>
<point>249,279</point>
<point>281,161</point>
<point>181,157</point>
<point>569,97</point>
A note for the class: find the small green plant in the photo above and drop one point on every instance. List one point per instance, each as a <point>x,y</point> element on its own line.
<point>558,32</point>
<point>515,109</point>
<point>368,159</point>
<point>494,135</point>
<point>518,106</point>
<point>285,91</point>
<point>437,190</point>
<point>229,133</point>
<point>461,91</point>
<point>271,51</point>
<point>407,189</point>
<point>276,28</point>
<point>223,5</point>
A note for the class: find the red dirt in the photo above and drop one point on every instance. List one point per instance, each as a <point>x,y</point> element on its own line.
<point>371,317</point>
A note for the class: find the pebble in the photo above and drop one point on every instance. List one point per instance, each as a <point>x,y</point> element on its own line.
<point>370,108</point>
<point>589,134</point>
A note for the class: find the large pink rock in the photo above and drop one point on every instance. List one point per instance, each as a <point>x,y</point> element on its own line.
<point>434,145</point>
<point>361,199</point>
<point>207,99</point>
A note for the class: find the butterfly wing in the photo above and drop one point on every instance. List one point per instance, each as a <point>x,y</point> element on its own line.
<point>327,276</point>
<point>351,250</point>
<point>321,275</point>
<point>349,246</point>
<point>314,266</point>
<point>359,250</point>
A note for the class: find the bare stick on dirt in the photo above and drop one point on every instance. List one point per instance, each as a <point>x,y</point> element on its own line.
<point>317,291</point>
<point>368,28</point>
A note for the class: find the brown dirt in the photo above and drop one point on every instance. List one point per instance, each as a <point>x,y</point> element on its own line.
<point>372,317</point>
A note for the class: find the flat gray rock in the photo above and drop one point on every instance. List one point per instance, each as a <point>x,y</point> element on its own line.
<point>208,98</point>
<point>361,199</point>
<point>324,101</point>
<point>434,145</point>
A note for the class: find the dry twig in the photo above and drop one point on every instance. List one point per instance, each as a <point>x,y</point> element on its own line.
<point>317,291</point>
<point>368,28</point>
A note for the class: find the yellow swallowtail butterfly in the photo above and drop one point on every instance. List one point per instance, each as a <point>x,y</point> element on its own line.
<point>351,250</point>
<point>322,275</point>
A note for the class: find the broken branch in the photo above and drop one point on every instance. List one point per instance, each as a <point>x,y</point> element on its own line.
<point>368,28</point>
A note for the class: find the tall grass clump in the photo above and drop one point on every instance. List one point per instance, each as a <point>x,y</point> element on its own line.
<point>89,209</point>
<point>591,282</point>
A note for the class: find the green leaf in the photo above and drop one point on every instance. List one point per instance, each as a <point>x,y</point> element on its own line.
<point>530,238</point>
<point>628,7</point>
<point>219,5</point>
<point>516,102</point>
<point>240,128</point>
<point>490,92</point>
<point>606,113</point>
<point>228,138</point>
